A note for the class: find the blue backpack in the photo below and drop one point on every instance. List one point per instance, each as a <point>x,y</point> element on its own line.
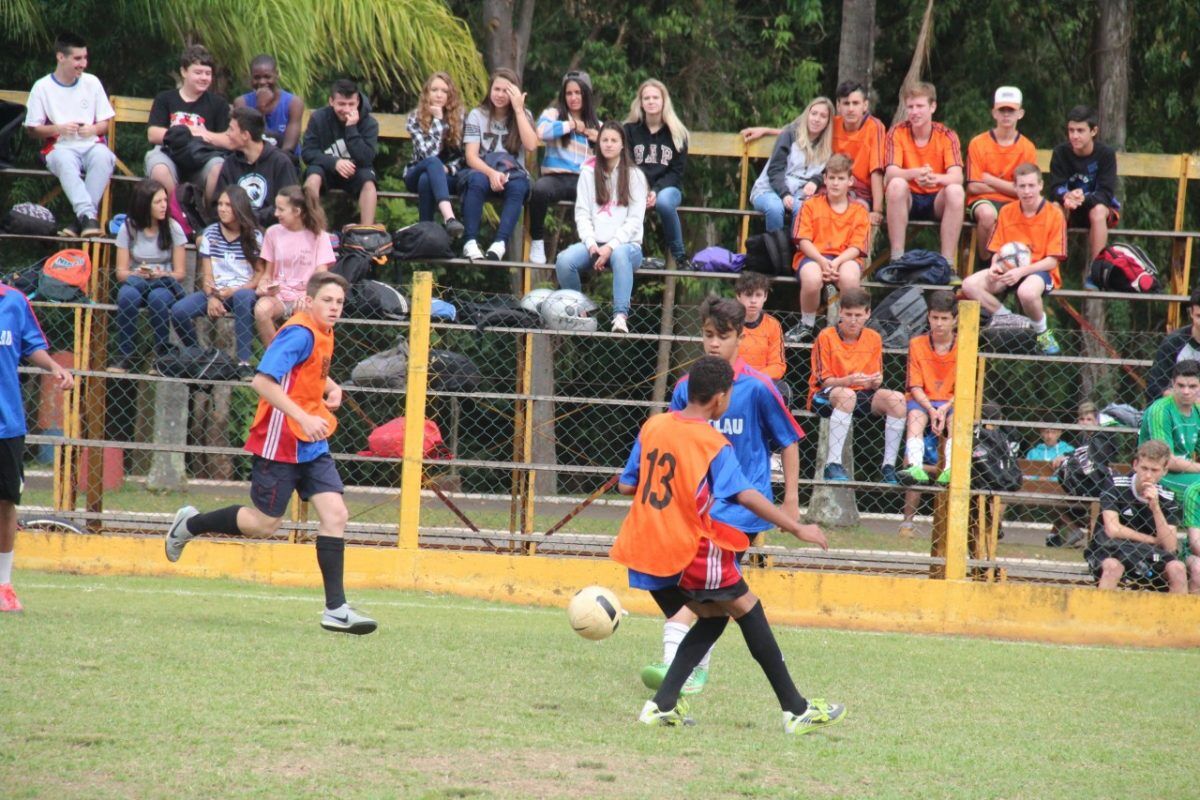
<point>916,266</point>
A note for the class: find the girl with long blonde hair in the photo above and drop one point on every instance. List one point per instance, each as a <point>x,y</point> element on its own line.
<point>658,142</point>
<point>793,173</point>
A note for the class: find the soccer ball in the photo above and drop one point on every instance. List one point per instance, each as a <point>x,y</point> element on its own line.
<point>1014,255</point>
<point>594,612</point>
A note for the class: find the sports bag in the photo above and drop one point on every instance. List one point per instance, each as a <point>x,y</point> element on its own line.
<point>718,259</point>
<point>1124,268</point>
<point>1012,334</point>
<point>916,266</point>
<point>385,370</point>
<point>197,363</point>
<point>25,279</point>
<point>387,441</point>
<point>186,206</point>
<point>64,277</point>
<point>373,241</point>
<point>420,241</point>
<point>452,372</point>
<point>353,266</point>
<point>1079,475</point>
<point>1123,413</point>
<point>993,466</point>
<point>769,253</point>
<point>499,312</point>
<point>900,317</point>
<point>375,300</point>
<point>30,219</point>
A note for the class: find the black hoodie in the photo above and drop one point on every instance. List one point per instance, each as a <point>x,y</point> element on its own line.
<point>326,139</point>
<point>262,180</point>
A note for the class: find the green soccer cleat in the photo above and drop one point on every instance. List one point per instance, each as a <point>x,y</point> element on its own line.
<point>676,717</point>
<point>1047,343</point>
<point>654,675</point>
<point>696,681</point>
<point>819,714</point>
<point>943,478</point>
<point>914,475</point>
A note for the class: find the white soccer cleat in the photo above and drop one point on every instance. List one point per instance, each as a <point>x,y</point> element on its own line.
<point>346,620</point>
<point>177,535</point>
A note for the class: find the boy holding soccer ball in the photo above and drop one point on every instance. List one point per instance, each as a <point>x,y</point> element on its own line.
<point>673,548</point>
<point>289,438</point>
<point>1040,226</point>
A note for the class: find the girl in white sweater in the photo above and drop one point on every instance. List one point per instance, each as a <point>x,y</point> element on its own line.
<point>610,204</point>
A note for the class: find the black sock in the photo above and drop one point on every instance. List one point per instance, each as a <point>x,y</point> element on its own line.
<point>223,520</point>
<point>695,644</point>
<point>331,552</point>
<point>765,650</point>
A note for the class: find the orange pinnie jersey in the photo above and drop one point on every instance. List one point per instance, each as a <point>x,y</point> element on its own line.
<point>1045,233</point>
<point>864,146</point>
<point>832,357</point>
<point>669,514</point>
<point>762,347</point>
<point>985,154</point>
<point>941,152</point>
<point>831,232</point>
<point>932,371</point>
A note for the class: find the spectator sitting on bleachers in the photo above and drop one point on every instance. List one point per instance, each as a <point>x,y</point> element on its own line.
<point>436,128</point>
<point>1040,226</point>
<point>1084,472</point>
<point>570,130</point>
<point>992,159</point>
<point>924,173</point>
<point>932,361</point>
<point>793,173</point>
<point>1182,344</point>
<point>69,111</point>
<point>609,212</point>
<point>1083,178</point>
<point>284,111</point>
<point>192,105</point>
<point>1051,448</point>
<point>762,337</point>
<point>292,251</point>
<point>257,166</point>
<point>1136,536</point>
<point>497,134</point>
<point>1175,421</point>
<point>150,265</point>
<point>339,149</point>
<point>659,142</point>
<point>229,269</point>
<point>831,236</point>
<point>845,380</point>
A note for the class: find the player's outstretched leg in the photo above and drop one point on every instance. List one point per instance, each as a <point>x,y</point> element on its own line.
<point>695,645</point>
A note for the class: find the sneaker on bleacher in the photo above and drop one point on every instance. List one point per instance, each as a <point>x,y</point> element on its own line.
<point>800,334</point>
<point>90,227</point>
<point>471,250</point>
<point>495,252</point>
<point>454,228</point>
<point>1047,343</point>
<point>537,252</point>
<point>72,230</point>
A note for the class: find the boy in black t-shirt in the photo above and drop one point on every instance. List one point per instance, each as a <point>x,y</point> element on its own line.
<point>1135,539</point>
<point>1083,179</point>
<point>192,105</point>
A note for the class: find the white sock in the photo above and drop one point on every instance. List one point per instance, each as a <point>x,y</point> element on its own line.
<point>949,450</point>
<point>839,429</point>
<point>707,657</point>
<point>1039,325</point>
<point>673,633</point>
<point>914,452</point>
<point>893,434</point>
<point>809,320</point>
<point>1001,311</point>
<point>6,560</point>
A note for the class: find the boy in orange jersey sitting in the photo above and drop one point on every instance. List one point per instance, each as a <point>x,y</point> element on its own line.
<point>831,235</point>
<point>924,174</point>
<point>678,466</point>
<point>932,361</point>
<point>762,337</point>
<point>289,438</point>
<point>847,371</point>
<point>992,159</point>
<point>862,137</point>
<point>1041,227</point>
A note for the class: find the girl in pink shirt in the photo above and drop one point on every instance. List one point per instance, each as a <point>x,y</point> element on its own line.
<point>292,251</point>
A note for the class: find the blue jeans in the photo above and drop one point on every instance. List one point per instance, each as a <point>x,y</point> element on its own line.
<point>771,206</point>
<point>475,189</point>
<point>158,295</point>
<point>428,178</point>
<point>623,262</point>
<point>665,203</point>
<point>241,303</point>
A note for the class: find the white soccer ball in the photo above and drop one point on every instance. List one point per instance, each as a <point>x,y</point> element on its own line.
<point>1014,255</point>
<point>533,301</point>
<point>568,310</point>
<point>594,612</point>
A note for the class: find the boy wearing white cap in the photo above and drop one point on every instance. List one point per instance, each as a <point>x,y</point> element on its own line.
<point>992,156</point>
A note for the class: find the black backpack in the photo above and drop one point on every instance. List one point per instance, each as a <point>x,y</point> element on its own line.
<point>499,312</point>
<point>373,241</point>
<point>12,115</point>
<point>197,363</point>
<point>420,241</point>
<point>375,300</point>
<point>353,266</point>
<point>25,280</point>
<point>770,253</point>
<point>1081,476</point>
<point>1012,334</point>
<point>901,316</point>
<point>30,219</point>
<point>916,266</point>
<point>993,466</point>
<point>452,372</point>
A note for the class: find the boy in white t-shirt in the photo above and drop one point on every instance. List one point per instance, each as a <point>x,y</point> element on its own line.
<point>69,111</point>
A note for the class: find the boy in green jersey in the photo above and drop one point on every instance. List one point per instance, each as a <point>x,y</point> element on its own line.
<point>1175,420</point>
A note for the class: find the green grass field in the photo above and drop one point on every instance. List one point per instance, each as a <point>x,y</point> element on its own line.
<point>166,688</point>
